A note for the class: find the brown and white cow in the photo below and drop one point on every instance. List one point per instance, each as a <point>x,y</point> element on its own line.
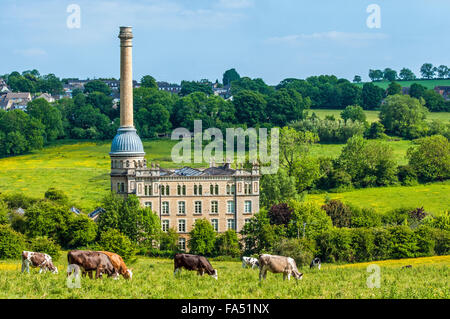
<point>278,264</point>
<point>89,261</point>
<point>41,260</point>
<point>193,262</point>
<point>119,264</point>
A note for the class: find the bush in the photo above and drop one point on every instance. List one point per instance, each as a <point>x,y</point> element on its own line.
<point>18,200</point>
<point>227,244</point>
<point>407,175</point>
<point>335,245</point>
<point>114,241</point>
<point>398,216</point>
<point>340,213</point>
<point>441,221</point>
<point>375,130</point>
<point>46,245</point>
<point>169,240</point>
<point>4,219</point>
<point>404,242</point>
<point>442,241</point>
<point>425,241</point>
<point>280,214</point>
<point>301,250</point>
<point>56,195</point>
<point>153,252</point>
<point>382,244</point>
<point>81,231</point>
<point>363,244</point>
<point>11,243</point>
<point>308,220</point>
<point>364,217</point>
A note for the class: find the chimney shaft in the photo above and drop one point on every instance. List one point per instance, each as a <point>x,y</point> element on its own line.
<point>126,77</point>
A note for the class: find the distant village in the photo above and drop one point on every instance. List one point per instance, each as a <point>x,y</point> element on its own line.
<point>18,100</point>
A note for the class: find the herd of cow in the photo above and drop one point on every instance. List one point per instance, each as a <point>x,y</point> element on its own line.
<point>111,264</point>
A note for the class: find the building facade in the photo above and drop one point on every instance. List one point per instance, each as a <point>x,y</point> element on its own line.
<point>226,197</point>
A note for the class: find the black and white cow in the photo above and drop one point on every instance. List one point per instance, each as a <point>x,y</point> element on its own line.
<point>250,262</point>
<point>41,260</point>
<point>315,263</point>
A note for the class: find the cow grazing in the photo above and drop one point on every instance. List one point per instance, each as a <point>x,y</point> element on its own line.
<point>315,263</point>
<point>278,264</point>
<point>407,266</point>
<point>119,264</point>
<point>250,262</point>
<point>89,261</point>
<point>41,260</point>
<point>193,262</point>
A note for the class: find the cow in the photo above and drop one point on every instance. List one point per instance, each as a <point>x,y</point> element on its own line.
<point>89,261</point>
<point>41,260</point>
<point>193,262</point>
<point>250,262</point>
<point>278,264</point>
<point>315,263</point>
<point>119,265</point>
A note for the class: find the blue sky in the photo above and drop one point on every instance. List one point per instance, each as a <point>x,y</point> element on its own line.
<point>195,39</point>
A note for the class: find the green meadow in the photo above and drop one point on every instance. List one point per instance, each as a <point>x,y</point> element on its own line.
<point>154,279</point>
<point>81,169</point>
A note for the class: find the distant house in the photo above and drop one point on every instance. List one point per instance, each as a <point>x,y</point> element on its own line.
<point>46,97</point>
<point>444,91</point>
<point>11,101</point>
<point>224,92</point>
<point>3,87</point>
<point>405,90</point>
<point>169,87</point>
<point>75,210</point>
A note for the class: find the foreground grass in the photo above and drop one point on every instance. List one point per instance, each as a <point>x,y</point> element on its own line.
<point>433,197</point>
<point>153,278</point>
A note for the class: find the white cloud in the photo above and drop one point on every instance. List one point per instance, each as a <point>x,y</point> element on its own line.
<point>335,36</point>
<point>31,52</point>
<point>235,4</point>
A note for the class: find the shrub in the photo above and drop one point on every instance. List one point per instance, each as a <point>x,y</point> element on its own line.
<point>169,240</point>
<point>153,252</point>
<point>308,220</point>
<point>340,213</point>
<point>398,216</point>
<point>382,244</point>
<point>227,244</point>
<point>335,245</point>
<point>363,244</point>
<point>280,214</point>
<point>404,242</point>
<point>18,200</point>
<point>202,238</point>
<point>3,213</point>
<point>301,250</point>
<point>441,221</point>
<point>431,159</point>
<point>56,195</point>
<point>354,113</point>
<point>442,241</point>
<point>375,130</point>
<point>407,175</point>
<point>11,243</point>
<point>81,231</point>
<point>425,241</point>
<point>364,217</point>
<point>46,245</point>
<point>114,241</point>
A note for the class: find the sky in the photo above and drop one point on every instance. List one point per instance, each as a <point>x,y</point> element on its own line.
<point>178,40</point>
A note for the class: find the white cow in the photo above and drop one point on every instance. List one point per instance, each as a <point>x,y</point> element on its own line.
<point>278,264</point>
<point>249,262</point>
<point>41,260</point>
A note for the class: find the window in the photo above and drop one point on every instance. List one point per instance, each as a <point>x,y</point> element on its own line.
<point>148,204</point>
<point>231,189</point>
<point>181,208</point>
<point>200,189</point>
<point>217,189</point>
<point>179,190</point>
<point>165,208</point>
<point>230,207</point>
<point>211,189</point>
<point>215,224</point>
<point>184,189</point>
<point>195,189</point>
<point>182,243</point>
<point>231,224</point>
<point>118,187</point>
<point>181,225</point>
<point>248,207</point>
<point>214,207</point>
<point>198,207</point>
<point>248,188</point>
<point>165,225</point>
<point>162,190</point>
<point>122,187</point>
<point>167,190</point>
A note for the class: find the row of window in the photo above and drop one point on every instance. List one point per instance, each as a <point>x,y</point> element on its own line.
<point>126,164</point>
<point>198,207</point>
<point>181,224</point>
<point>198,189</point>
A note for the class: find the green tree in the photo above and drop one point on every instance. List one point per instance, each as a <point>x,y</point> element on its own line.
<point>148,81</point>
<point>286,105</point>
<point>354,113</point>
<point>114,241</point>
<point>202,238</point>
<point>277,188</point>
<point>427,71</point>
<point>431,158</point>
<point>230,76</point>
<point>251,108</point>
<point>227,244</point>
<point>11,243</point>
<point>375,75</point>
<point>434,101</point>
<point>357,79</point>
<point>389,74</point>
<point>371,96</point>
<point>417,90</point>
<point>403,115</point>
<point>394,88</point>
<point>97,86</point>
<point>188,87</point>
<point>407,75</point>
<point>169,240</point>
<point>308,220</point>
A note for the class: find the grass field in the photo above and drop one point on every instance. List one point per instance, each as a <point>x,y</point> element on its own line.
<point>372,116</point>
<point>153,278</point>
<point>81,169</point>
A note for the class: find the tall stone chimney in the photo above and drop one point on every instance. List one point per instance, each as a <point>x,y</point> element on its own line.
<point>127,151</point>
<point>126,77</point>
